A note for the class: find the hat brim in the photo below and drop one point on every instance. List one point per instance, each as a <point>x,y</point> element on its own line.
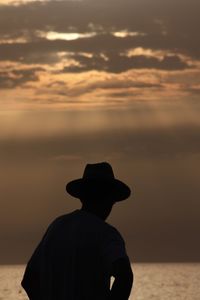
<point>112,188</point>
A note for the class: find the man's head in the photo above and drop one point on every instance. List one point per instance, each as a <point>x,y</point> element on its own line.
<point>100,207</point>
<point>98,189</point>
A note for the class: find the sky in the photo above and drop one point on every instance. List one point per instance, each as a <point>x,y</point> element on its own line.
<point>89,81</point>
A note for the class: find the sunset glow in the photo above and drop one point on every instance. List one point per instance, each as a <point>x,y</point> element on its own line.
<point>19,2</point>
<point>59,63</point>
<point>96,80</point>
<point>71,36</point>
<point>126,33</point>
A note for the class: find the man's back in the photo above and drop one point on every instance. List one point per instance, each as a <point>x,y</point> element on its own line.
<point>74,259</point>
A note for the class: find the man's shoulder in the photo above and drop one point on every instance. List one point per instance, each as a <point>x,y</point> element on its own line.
<point>65,216</point>
<point>113,232</point>
<point>88,220</point>
<point>59,220</point>
<point>83,218</point>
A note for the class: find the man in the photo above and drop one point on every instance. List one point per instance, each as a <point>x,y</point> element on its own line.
<point>80,252</point>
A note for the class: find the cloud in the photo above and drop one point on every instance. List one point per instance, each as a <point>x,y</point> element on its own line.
<point>103,40</point>
<point>16,78</point>
<point>161,24</point>
<point>194,90</point>
<point>116,63</point>
<point>81,90</point>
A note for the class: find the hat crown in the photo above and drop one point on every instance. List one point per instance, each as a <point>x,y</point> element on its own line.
<point>100,171</point>
<point>98,181</point>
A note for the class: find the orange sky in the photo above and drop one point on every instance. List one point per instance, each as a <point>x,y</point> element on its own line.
<point>58,58</point>
<point>86,81</point>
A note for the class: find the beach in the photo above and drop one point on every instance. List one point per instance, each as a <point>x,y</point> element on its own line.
<point>152,281</point>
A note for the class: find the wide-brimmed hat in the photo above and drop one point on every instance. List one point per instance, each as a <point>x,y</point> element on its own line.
<point>98,180</point>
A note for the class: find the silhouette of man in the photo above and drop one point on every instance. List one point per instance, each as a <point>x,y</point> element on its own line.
<point>80,252</point>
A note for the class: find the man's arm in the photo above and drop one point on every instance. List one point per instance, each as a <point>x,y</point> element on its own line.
<point>30,283</point>
<point>122,272</point>
<point>31,278</point>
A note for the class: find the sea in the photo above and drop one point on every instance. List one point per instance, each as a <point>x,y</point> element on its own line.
<point>152,281</point>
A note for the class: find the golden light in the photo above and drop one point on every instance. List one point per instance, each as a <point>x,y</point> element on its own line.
<point>146,52</point>
<point>20,40</point>
<point>126,33</point>
<point>70,36</point>
<point>19,2</point>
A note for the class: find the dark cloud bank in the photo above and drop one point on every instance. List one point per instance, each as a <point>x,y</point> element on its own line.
<point>161,25</point>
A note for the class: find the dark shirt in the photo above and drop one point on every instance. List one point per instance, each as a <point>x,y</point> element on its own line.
<point>73,260</point>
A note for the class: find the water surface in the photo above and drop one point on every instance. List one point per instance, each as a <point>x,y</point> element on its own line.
<point>152,282</point>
